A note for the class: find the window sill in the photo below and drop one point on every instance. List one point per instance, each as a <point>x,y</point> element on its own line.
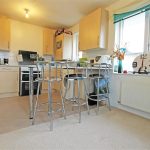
<point>131,74</point>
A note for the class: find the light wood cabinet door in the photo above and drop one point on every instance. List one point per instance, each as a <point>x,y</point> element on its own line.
<point>58,54</point>
<point>63,46</point>
<point>9,80</point>
<point>4,33</point>
<point>92,31</point>
<point>59,47</point>
<point>55,85</point>
<point>48,41</point>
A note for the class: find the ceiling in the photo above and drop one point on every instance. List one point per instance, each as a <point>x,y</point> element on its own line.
<point>51,13</point>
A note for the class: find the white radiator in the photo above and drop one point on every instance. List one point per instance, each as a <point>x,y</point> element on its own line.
<point>135,93</point>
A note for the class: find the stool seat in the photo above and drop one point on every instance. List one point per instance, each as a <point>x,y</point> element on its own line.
<point>74,76</point>
<point>74,81</point>
<point>47,79</point>
<point>96,76</point>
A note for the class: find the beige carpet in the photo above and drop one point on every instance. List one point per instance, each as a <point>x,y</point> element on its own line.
<point>110,130</point>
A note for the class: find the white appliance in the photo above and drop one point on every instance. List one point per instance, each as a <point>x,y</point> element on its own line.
<point>102,59</point>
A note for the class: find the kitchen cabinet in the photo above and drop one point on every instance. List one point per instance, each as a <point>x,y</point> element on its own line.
<point>55,85</point>
<point>4,33</point>
<point>93,30</point>
<point>63,46</point>
<point>9,79</point>
<point>48,41</point>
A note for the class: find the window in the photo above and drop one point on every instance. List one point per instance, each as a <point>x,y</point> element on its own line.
<point>76,54</point>
<point>75,46</point>
<point>134,32</point>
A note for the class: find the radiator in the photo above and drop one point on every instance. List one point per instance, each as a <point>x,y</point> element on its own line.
<point>135,93</point>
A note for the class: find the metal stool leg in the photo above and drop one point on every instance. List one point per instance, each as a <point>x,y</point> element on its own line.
<point>50,107</point>
<point>63,102</point>
<point>109,103</point>
<point>64,97</point>
<point>97,97</point>
<point>97,111</point>
<point>36,103</point>
<point>108,100</point>
<point>74,96</point>
<point>78,99</point>
<point>87,104</point>
<point>108,96</point>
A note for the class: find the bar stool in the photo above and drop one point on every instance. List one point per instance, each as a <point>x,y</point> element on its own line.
<point>101,84</point>
<point>70,79</point>
<point>50,79</point>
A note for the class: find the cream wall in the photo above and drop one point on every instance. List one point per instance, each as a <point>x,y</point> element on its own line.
<point>74,28</point>
<point>116,79</point>
<point>26,36</point>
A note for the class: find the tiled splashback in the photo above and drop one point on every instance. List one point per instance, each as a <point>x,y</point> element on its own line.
<point>11,56</point>
<point>4,54</point>
<point>94,53</point>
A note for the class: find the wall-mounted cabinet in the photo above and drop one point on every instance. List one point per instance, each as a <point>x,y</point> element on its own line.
<point>63,46</point>
<point>48,41</point>
<point>93,30</point>
<point>4,33</point>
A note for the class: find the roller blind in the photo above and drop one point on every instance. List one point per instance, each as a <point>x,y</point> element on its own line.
<point>126,15</point>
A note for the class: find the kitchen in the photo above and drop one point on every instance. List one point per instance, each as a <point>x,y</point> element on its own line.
<point>25,35</point>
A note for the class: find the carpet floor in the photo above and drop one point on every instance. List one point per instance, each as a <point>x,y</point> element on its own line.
<point>109,130</point>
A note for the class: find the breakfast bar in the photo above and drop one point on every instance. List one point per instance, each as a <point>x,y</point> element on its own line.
<point>87,70</point>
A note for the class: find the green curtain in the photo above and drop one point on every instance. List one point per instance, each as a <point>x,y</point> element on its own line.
<point>123,16</point>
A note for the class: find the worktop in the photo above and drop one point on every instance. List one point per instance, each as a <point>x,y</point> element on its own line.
<point>131,74</point>
<point>33,65</point>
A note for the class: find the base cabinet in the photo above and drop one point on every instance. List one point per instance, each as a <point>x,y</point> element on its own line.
<point>55,85</point>
<point>9,82</point>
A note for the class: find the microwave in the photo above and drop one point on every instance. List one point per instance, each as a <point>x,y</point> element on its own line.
<point>27,57</point>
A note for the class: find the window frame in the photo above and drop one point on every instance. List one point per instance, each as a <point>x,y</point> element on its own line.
<point>119,37</point>
<point>119,26</point>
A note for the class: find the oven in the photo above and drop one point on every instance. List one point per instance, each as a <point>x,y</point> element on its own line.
<point>24,81</point>
<point>27,58</point>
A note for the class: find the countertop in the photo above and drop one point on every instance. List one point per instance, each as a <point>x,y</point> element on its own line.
<point>17,65</point>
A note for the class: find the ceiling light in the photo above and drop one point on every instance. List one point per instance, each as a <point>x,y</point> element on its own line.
<point>26,13</point>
